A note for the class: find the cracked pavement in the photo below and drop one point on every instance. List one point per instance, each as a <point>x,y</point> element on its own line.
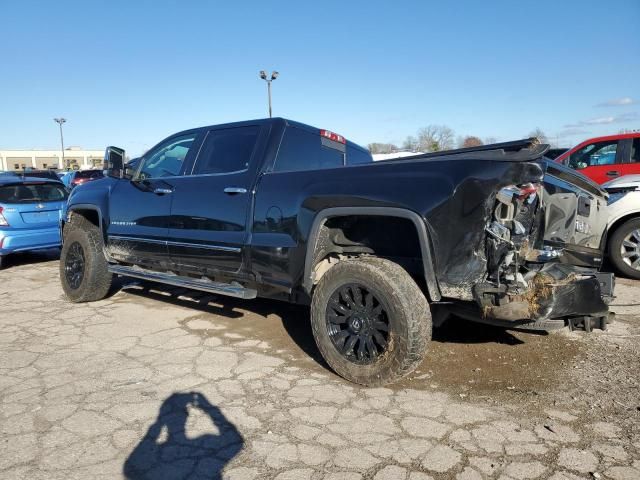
<point>157,383</point>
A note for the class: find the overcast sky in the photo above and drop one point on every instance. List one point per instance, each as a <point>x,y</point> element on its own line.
<point>129,73</point>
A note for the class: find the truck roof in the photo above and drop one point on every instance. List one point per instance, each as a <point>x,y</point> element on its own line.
<point>274,120</point>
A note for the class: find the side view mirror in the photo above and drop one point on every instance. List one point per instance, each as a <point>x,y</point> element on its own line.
<point>130,167</point>
<point>114,162</point>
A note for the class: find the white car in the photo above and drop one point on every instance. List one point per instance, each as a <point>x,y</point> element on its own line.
<point>623,229</point>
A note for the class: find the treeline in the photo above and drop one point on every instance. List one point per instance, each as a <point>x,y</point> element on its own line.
<point>435,138</point>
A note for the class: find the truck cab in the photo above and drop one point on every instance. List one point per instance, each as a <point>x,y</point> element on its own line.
<point>188,204</point>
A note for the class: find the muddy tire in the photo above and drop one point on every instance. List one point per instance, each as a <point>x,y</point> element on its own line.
<point>370,320</point>
<point>624,248</point>
<point>83,267</point>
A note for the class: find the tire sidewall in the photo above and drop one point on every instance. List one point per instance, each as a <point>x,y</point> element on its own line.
<point>362,273</point>
<point>91,259</point>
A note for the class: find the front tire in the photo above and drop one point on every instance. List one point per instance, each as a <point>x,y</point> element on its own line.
<point>624,248</point>
<point>370,320</point>
<point>84,271</point>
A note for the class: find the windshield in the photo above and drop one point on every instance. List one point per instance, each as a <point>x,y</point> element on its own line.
<point>32,193</point>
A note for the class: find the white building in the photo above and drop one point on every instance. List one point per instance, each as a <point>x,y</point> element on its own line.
<point>76,158</point>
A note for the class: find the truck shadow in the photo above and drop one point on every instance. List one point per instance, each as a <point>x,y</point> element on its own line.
<point>256,317</point>
<point>167,451</point>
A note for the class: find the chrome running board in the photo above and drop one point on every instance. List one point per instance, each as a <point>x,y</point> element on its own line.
<point>228,289</point>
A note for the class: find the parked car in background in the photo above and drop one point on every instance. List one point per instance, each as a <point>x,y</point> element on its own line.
<point>30,212</point>
<point>623,244</point>
<point>50,174</point>
<point>65,176</point>
<point>605,158</point>
<point>78,177</point>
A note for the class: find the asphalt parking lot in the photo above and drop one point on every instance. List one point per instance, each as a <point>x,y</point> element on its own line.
<point>156,382</point>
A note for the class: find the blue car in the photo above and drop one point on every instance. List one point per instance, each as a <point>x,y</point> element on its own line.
<point>30,210</point>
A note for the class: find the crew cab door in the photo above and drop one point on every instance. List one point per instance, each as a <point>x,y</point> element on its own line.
<point>601,161</point>
<point>211,205</point>
<point>139,207</point>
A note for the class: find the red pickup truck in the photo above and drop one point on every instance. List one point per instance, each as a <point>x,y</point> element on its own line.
<point>605,158</point>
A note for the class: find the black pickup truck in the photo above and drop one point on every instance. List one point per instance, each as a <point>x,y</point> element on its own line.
<point>381,251</point>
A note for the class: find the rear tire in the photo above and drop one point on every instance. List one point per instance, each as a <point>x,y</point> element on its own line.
<point>624,246</point>
<point>342,319</point>
<point>84,271</point>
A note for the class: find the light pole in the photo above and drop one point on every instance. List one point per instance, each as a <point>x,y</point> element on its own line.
<point>274,75</point>
<point>60,121</point>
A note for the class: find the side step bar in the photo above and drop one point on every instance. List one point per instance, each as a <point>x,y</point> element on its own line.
<point>228,289</point>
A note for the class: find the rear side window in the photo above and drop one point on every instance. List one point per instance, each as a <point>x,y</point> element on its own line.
<point>32,193</point>
<point>226,151</point>
<point>302,150</point>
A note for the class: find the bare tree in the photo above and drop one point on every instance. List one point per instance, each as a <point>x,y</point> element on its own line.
<point>490,140</point>
<point>435,138</point>
<point>410,144</point>
<point>471,141</point>
<point>382,148</point>
<point>540,135</point>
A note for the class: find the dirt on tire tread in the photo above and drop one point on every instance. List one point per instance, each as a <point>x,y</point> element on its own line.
<point>97,278</point>
<point>414,304</point>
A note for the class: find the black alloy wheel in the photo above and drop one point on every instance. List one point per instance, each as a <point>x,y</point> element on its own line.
<point>358,324</point>
<point>74,265</point>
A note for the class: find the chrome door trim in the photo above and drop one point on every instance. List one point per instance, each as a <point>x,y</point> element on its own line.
<point>176,244</point>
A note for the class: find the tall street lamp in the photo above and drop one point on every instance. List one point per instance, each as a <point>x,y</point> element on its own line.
<point>274,75</point>
<point>60,121</point>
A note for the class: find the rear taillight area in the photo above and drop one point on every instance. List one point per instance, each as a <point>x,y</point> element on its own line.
<point>3,221</point>
<point>509,241</point>
<point>514,210</point>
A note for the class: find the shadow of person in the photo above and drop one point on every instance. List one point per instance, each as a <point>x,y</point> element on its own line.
<point>166,452</point>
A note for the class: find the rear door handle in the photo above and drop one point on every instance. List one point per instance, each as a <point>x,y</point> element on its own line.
<point>612,173</point>
<point>162,191</point>
<point>235,190</point>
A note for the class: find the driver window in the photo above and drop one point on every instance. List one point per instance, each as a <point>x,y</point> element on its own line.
<point>594,154</point>
<point>167,159</point>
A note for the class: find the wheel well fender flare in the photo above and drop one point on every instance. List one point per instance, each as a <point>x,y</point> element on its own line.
<point>84,206</point>
<point>613,225</point>
<point>421,229</point>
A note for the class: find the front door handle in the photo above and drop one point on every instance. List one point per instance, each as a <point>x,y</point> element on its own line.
<point>162,191</point>
<point>235,190</point>
<point>612,173</point>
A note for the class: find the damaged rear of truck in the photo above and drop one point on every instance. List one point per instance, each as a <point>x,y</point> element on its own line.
<point>532,249</point>
<point>496,234</point>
